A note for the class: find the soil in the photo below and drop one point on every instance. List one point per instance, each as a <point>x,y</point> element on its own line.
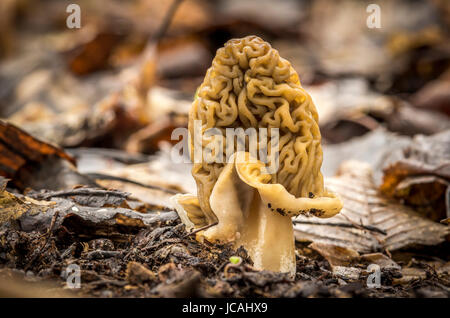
<point>161,260</point>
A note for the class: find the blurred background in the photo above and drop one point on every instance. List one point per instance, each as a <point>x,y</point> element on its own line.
<point>109,94</point>
<point>125,79</point>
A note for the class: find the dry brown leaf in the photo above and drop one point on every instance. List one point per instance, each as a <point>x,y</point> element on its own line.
<point>434,95</point>
<point>93,55</point>
<point>84,211</point>
<point>18,147</point>
<point>372,148</point>
<point>336,255</point>
<point>147,139</point>
<point>12,207</point>
<point>347,263</point>
<point>154,182</point>
<point>366,215</point>
<point>137,273</point>
<point>421,175</point>
<point>23,158</point>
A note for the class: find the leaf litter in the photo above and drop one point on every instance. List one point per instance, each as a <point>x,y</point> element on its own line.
<point>126,248</point>
<point>108,88</point>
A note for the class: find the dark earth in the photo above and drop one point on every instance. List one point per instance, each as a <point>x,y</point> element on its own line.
<point>161,260</point>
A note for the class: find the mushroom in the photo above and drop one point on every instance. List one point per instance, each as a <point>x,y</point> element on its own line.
<point>241,200</point>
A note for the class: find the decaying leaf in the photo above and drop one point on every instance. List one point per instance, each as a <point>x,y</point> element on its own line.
<point>138,273</point>
<point>420,175</point>
<point>368,222</point>
<point>147,139</point>
<point>372,148</point>
<point>84,212</point>
<point>434,95</point>
<point>348,263</point>
<point>350,107</point>
<point>17,148</point>
<point>154,182</point>
<point>30,162</point>
<point>12,207</point>
<point>336,255</point>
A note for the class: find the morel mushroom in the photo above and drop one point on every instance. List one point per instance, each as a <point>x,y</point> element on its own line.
<point>250,86</point>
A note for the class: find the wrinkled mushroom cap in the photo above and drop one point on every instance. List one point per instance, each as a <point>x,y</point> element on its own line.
<point>279,200</point>
<point>250,85</point>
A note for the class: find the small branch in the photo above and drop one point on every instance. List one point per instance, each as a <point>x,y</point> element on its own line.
<point>166,22</point>
<point>114,178</point>
<point>82,191</point>
<point>202,228</point>
<point>117,155</point>
<point>147,64</point>
<point>48,234</point>
<point>365,227</point>
<point>346,225</point>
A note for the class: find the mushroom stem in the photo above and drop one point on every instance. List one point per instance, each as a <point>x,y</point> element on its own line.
<point>245,220</point>
<point>254,214</point>
<point>268,237</point>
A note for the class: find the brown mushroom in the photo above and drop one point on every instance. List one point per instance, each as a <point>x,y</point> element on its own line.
<point>250,86</point>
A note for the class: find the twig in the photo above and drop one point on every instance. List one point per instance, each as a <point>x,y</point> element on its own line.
<point>363,227</point>
<point>347,225</point>
<point>115,178</point>
<point>202,229</point>
<point>48,234</point>
<point>81,191</point>
<point>388,253</point>
<point>147,63</point>
<point>117,155</point>
<point>167,20</point>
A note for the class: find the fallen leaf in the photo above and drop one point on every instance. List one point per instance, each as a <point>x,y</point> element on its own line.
<point>18,148</point>
<point>137,273</point>
<point>372,148</point>
<point>368,221</point>
<point>79,215</point>
<point>12,208</point>
<point>335,255</point>
<point>154,182</point>
<point>419,175</point>
<point>349,264</point>
<point>30,162</point>
<point>380,259</point>
<point>434,95</point>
